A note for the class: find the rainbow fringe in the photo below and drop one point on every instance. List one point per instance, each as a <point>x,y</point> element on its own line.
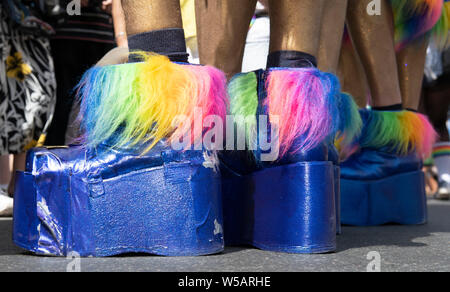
<point>308,105</point>
<point>305,102</point>
<point>137,103</point>
<point>350,125</point>
<point>441,149</point>
<point>415,18</point>
<point>243,94</point>
<point>403,132</point>
<point>440,30</point>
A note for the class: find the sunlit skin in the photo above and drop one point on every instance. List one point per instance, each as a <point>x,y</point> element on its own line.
<point>119,24</point>
<point>352,76</point>
<point>411,63</point>
<point>144,15</point>
<point>5,173</point>
<point>222,28</point>
<point>332,30</point>
<point>18,165</point>
<point>295,25</point>
<point>373,37</point>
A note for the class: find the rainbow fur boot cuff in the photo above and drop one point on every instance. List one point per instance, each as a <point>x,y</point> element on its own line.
<point>285,202</point>
<point>382,181</point>
<point>124,190</point>
<point>414,19</point>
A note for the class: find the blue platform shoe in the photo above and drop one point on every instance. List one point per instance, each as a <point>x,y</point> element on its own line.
<point>285,203</point>
<point>126,190</point>
<point>101,202</point>
<point>383,182</point>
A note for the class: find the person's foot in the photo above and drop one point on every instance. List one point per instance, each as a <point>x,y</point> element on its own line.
<point>443,192</point>
<point>6,205</point>
<point>10,190</point>
<point>431,183</point>
<point>441,157</point>
<point>431,179</point>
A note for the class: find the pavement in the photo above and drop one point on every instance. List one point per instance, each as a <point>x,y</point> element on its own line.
<point>400,248</point>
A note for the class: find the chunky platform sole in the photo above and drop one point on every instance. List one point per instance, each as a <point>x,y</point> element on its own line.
<point>337,196</point>
<point>171,210</point>
<point>399,199</point>
<point>288,208</point>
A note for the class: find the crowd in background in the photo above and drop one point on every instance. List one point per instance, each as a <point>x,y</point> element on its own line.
<point>44,52</point>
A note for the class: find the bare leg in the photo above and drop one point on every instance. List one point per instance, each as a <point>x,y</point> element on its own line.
<point>411,63</point>
<point>373,37</point>
<point>352,75</point>
<point>222,28</point>
<point>295,25</point>
<point>19,165</point>
<point>5,172</point>
<point>332,31</point>
<point>147,15</point>
<point>119,24</point>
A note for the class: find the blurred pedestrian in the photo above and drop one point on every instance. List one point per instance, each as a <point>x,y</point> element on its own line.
<point>436,102</point>
<point>80,41</point>
<point>27,87</point>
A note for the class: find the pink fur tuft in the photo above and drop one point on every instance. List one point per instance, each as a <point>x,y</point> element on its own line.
<point>209,95</point>
<point>305,102</point>
<point>429,137</point>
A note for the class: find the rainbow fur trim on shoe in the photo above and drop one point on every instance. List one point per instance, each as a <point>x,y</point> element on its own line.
<point>440,30</point>
<point>402,132</point>
<point>137,103</point>
<point>383,182</point>
<point>301,106</point>
<point>304,104</point>
<point>350,125</point>
<point>243,93</point>
<point>415,18</point>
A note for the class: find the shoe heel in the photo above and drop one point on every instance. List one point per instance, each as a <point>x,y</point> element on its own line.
<point>287,208</point>
<point>337,192</point>
<point>399,199</point>
<point>25,220</point>
<point>173,210</point>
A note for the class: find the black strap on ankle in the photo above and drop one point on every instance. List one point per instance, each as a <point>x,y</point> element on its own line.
<point>411,110</point>
<point>394,107</point>
<point>169,42</point>
<point>291,59</point>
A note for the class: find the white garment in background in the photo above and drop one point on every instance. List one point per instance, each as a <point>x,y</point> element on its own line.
<point>257,45</point>
<point>6,205</point>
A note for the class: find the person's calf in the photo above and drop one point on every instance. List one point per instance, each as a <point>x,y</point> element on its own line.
<point>18,165</point>
<point>5,173</point>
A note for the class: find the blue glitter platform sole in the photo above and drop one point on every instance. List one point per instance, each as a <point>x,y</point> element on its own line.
<point>399,199</point>
<point>337,198</point>
<point>69,200</point>
<point>288,208</point>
